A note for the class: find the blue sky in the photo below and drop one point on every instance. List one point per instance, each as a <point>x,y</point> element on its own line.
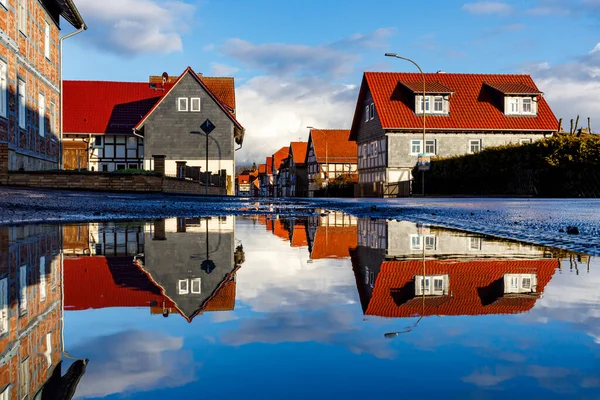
<point>298,63</point>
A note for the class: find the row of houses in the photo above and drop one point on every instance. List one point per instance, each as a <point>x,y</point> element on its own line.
<point>400,117</point>
<point>104,126</point>
<point>303,169</point>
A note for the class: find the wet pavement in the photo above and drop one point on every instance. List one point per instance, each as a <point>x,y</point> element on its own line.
<point>286,305</point>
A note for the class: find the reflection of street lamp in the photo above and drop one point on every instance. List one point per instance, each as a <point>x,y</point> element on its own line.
<point>208,265</point>
<point>422,106</point>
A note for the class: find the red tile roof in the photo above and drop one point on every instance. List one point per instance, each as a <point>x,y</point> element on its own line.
<point>465,278</point>
<point>279,156</point>
<point>514,88</point>
<point>280,231</point>
<point>299,238</point>
<point>334,242</point>
<point>430,87</point>
<point>243,179</point>
<point>269,163</point>
<point>99,107</point>
<point>262,169</point>
<point>473,106</point>
<point>298,151</point>
<point>334,146</point>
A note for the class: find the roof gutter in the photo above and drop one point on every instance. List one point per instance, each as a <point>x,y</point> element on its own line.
<point>62,39</point>
<point>77,15</point>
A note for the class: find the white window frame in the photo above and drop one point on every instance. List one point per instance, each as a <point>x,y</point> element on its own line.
<point>531,104</point>
<point>23,290</point>
<point>199,282</point>
<point>42,278</point>
<point>42,114</point>
<point>367,112</point>
<point>513,106</point>
<point>186,101</point>
<point>425,285</point>
<point>430,242</point>
<point>5,394</point>
<point>4,317</point>
<point>47,40</point>
<point>525,141</point>
<point>183,286</point>
<point>3,88</point>
<point>438,100</point>
<point>428,143</point>
<point>22,16</point>
<point>4,3</point>
<point>474,243</point>
<point>412,145</point>
<point>22,104</point>
<point>52,117</point>
<point>96,145</point>
<point>470,149</point>
<point>520,283</point>
<point>195,99</point>
<point>372,112</point>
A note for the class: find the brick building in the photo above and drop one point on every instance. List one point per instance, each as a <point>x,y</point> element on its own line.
<point>30,74</point>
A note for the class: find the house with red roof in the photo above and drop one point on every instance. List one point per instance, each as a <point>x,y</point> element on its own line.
<point>111,126</point>
<point>266,178</point>
<point>464,113</point>
<point>30,84</point>
<point>242,187</point>
<point>297,178</point>
<point>277,161</point>
<point>330,155</point>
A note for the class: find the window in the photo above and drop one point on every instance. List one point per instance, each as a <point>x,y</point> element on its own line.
<point>24,378</point>
<point>438,104</point>
<point>47,40</point>
<point>120,167</point>
<point>415,147</point>
<point>42,115</point>
<point>42,278</point>
<point>48,352</point>
<point>104,167</point>
<point>415,242</point>
<point>374,147</point>
<point>23,16</point>
<point>513,105</point>
<point>23,290</point>
<point>22,105</point>
<point>4,306</point>
<point>183,286</point>
<point>132,166</point>
<point>5,395</point>
<point>120,151</point>
<point>132,142</point>
<point>524,141</point>
<point>474,243</point>
<point>3,88</point>
<point>474,146</point>
<point>431,285</point>
<point>98,142</point>
<point>367,113</point>
<point>182,104</point>
<point>195,106</point>
<point>520,283</point>
<point>527,107</point>
<point>372,112</point>
<point>52,117</point>
<point>196,285</point>
<point>430,242</point>
<point>430,147</point>
<point>4,3</point>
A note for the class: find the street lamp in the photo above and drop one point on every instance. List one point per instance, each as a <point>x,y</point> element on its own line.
<point>422,106</point>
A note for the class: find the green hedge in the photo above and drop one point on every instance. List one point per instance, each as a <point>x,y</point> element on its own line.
<point>561,166</point>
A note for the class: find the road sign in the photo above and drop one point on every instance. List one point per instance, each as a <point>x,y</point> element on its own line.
<point>207,127</point>
<point>423,163</point>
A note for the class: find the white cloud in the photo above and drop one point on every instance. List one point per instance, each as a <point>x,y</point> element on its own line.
<point>131,27</point>
<point>571,88</point>
<point>276,110</point>
<point>134,361</point>
<point>218,69</point>
<point>488,8</point>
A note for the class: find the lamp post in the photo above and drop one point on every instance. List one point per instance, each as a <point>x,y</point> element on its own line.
<point>422,106</point>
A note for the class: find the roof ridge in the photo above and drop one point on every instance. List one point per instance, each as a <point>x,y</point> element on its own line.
<point>446,73</point>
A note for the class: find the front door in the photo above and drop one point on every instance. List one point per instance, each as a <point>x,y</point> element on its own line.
<point>75,155</point>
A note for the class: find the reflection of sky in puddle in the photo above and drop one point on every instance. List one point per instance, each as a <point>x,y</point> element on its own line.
<point>308,322</point>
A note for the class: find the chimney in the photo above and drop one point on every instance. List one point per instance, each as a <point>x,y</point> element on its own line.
<point>200,75</point>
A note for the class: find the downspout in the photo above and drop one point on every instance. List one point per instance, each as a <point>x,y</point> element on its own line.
<point>78,31</point>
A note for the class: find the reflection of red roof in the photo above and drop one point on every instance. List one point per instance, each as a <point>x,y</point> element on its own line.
<point>334,242</point>
<point>262,169</point>
<point>279,156</point>
<point>299,238</point>
<point>465,278</point>
<point>473,106</point>
<point>280,231</point>
<point>243,179</point>
<point>298,150</point>
<point>269,164</point>
<point>334,146</point>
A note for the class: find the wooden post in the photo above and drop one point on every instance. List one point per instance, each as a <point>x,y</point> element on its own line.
<point>159,164</point>
<point>589,125</point>
<point>576,124</point>
<point>571,131</point>
<point>560,126</point>
<point>181,169</point>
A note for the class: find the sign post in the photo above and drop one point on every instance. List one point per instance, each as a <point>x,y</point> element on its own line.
<point>423,164</point>
<point>207,127</point>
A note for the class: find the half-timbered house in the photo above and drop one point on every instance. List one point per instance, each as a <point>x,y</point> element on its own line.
<point>298,179</point>
<point>330,155</point>
<point>111,126</point>
<point>464,113</point>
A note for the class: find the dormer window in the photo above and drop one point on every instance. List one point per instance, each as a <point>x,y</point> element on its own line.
<point>520,105</point>
<point>433,105</point>
<point>436,100</point>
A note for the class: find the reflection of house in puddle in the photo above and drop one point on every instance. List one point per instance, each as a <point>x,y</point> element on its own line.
<point>178,265</point>
<point>403,270</point>
<point>332,235</point>
<point>31,314</point>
